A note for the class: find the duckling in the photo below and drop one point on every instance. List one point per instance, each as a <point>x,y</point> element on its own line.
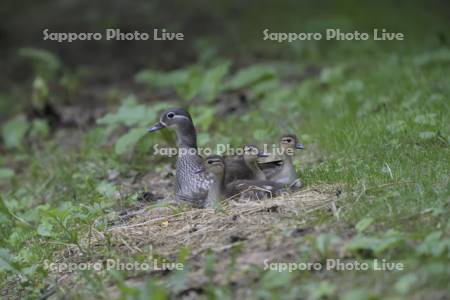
<point>282,170</point>
<point>189,186</point>
<point>244,166</point>
<point>215,166</point>
<point>251,154</point>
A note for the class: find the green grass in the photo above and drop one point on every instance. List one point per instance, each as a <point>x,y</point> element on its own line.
<point>379,126</point>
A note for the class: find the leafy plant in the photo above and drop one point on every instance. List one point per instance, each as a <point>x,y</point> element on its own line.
<point>249,76</point>
<point>189,82</point>
<point>14,131</point>
<point>45,63</point>
<point>131,114</point>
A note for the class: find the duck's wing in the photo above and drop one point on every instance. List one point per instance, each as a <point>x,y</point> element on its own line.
<point>270,159</point>
<point>235,168</point>
<point>270,165</point>
<point>271,169</point>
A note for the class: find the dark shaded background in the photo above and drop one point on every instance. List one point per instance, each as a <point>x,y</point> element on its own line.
<point>225,28</point>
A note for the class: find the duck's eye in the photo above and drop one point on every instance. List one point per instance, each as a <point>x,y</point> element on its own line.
<point>210,162</point>
<point>288,141</point>
<point>170,115</point>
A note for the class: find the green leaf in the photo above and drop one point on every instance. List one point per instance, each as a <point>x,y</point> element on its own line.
<point>250,76</point>
<point>163,79</point>
<point>129,140</point>
<point>6,261</point>
<point>14,131</point>
<point>434,245</point>
<point>4,209</point>
<point>405,283</point>
<point>426,119</point>
<point>6,173</point>
<point>325,241</point>
<point>45,229</point>
<point>357,294</point>
<point>265,86</point>
<point>107,189</point>
<point>396,126</point>
<point>362,243</point>
<point>363,224</point>
<point>192,85</point>
<point>212,81</point>
<point>322,290</point>
<point>427,135</point>
<point>439,56</point>
<point>46,64</point>
<point>129,113</point>
<point>40,93</point>
<point>274,279</point>
<point>39,128</point>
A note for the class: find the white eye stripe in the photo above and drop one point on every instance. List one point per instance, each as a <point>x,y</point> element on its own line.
<point>181,117</point>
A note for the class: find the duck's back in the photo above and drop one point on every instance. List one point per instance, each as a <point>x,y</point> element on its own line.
<point>235,168</point>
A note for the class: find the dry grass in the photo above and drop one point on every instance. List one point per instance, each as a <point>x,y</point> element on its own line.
<point>260,225</point>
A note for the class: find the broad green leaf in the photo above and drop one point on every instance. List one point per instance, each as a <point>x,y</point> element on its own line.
<point>265,86</point>
<point>274,279</point>
<point>163,79</point>
<point>438,56</point>
<point>7,212</point>
<point>427,135</point>
<point>405,283</point>
<point>426,119</point>
<point>249,76</point>
<point>40,93</point>
<point>212,80</point>
<point>322,290</point>
<point>4,209</point>
<point>361,243</point>
<point>107,189</point>
<point>45,229</point>
<point>129,113</point>
<point>353,86</point>
<point>192,85</point>
<point>129,140</point>
<point>325,241</point>
<point>363,224</point>
<point>14,131</point>
<point>45,63</point>
<point>6,173</point>
<point>435,245</point>
<point>357,294</point>
<point>39,128</point>
<point>6,261</point>
<point>396,126</point>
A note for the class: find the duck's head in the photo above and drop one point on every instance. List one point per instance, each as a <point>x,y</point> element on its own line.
<point>174,118</point>
<point>290,142</point>
<point>213,164</point>
<point>251,153</point>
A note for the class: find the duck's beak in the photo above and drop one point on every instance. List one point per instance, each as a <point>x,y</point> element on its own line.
<point>156,127</point>
<point>262,154</point>
<point>299,146</point>
<point>201,170</point>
